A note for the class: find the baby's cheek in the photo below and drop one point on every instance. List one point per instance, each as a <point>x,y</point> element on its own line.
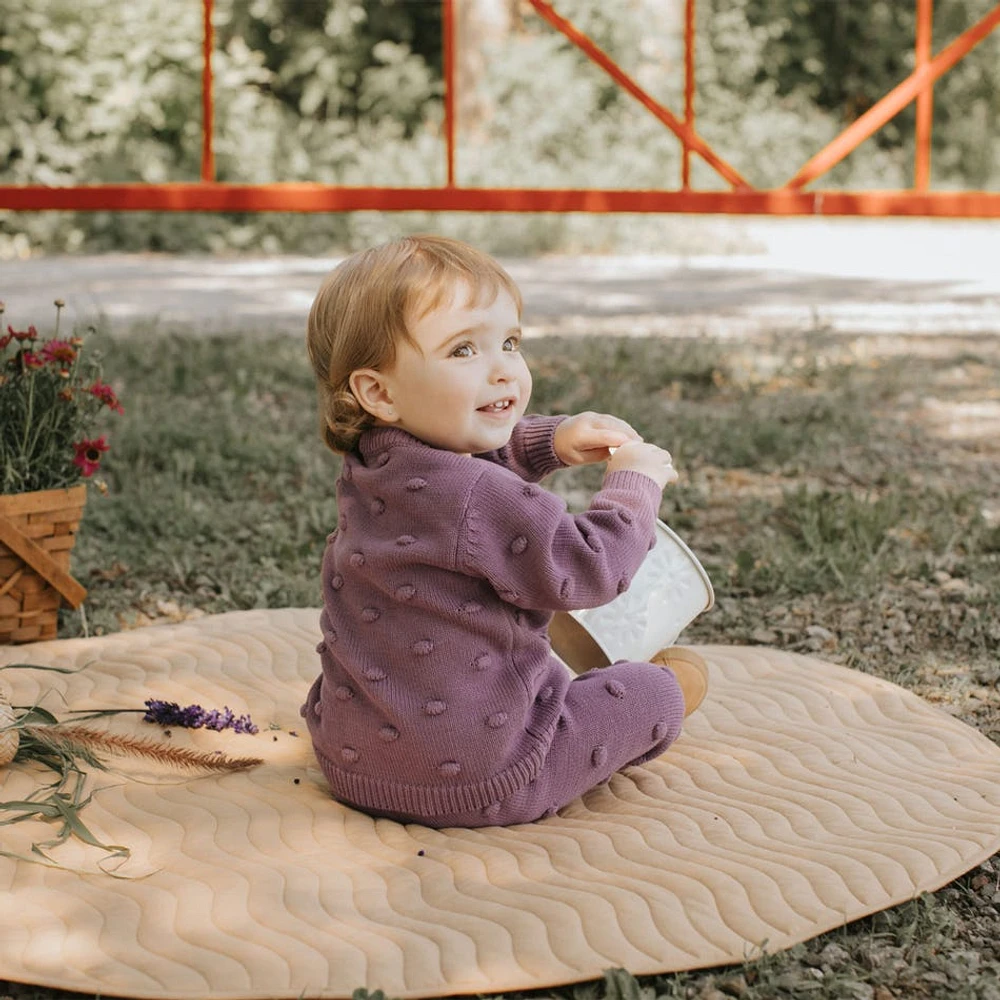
<point>526,379</point>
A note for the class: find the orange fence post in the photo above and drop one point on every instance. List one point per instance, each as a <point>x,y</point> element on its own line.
<point>925,99</point>
<point>688,89</point>
<point>207,103</point>
<point>448,29</point>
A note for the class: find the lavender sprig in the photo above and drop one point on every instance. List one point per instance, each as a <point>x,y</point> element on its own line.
<point>169,713</point>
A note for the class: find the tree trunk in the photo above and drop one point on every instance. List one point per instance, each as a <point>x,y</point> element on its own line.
<point>479,24</point>
<point>661,64</point>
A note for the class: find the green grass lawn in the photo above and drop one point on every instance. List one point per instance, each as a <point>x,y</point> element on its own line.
<point>844,494</point>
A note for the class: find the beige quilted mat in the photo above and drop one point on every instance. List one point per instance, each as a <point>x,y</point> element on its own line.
<point>802,795</point>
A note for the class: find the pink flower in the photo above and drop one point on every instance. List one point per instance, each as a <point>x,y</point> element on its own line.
<point>59,352</point>
<point>31,360</point>
<point>88,455</point>
<point>107,396</point>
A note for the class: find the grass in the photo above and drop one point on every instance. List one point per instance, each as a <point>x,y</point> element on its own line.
<point>838,497</point>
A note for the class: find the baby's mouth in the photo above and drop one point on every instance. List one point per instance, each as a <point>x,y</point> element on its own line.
<point>501,406</point>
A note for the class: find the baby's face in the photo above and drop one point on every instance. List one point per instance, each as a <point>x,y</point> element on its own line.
<point>467,385</point>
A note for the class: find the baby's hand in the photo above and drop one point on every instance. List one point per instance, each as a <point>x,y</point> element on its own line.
<point>649,459</point>
<point>589,437</point>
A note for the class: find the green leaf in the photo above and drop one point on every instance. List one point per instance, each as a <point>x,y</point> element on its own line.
<point>40,666</point>
<point>620,984</point>
<point>82,832</point>
<point>29,809</point>
<point>36,714</point>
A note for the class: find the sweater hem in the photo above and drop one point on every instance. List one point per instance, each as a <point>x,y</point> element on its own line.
<point>378,794</point>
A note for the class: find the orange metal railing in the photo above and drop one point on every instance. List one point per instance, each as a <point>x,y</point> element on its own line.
<point>741,199</point>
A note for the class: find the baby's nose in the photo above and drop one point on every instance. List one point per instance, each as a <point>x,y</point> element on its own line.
<point>503,367</point>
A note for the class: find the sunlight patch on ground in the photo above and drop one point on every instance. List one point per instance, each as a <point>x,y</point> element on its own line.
<point>977,420</point>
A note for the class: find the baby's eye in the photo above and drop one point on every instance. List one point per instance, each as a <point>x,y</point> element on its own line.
<point>462,351</point>
<point>512,343</point>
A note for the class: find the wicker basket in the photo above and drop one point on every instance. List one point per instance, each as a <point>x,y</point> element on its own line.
<point>37,532</point>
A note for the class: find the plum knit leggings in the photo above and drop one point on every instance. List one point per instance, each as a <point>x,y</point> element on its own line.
<point>596,736</point>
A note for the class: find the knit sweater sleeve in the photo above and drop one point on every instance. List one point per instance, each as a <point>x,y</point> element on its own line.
<point>538,556</point>
<point>530,453</point>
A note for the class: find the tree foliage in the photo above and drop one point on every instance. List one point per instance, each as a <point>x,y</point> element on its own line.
<point>350,92</point>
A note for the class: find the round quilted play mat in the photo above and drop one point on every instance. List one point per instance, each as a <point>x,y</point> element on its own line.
<point>800,796</point>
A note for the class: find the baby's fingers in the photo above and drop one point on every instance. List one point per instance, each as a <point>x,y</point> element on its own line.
<point>607,422</point>
<point>607,439</point>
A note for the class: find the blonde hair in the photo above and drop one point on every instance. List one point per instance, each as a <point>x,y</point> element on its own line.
<point>363,308</point>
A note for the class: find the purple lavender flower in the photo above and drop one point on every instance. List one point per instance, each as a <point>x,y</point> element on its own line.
<point>244,724</point>
<point>169,713</point>
<point>217,720</point>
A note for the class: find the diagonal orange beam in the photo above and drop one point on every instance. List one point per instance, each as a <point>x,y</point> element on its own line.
<point>876,116</point>
<point>687,135</point>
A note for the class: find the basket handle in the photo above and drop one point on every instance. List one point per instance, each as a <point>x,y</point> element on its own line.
<point>41,562</point>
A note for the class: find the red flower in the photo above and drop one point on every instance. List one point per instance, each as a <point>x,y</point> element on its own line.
<point>59,351</point>
<point>107,396</point>
<point>31,360</point>
<point>88,455</point>
<point>5,340</point>
<point>30,334</point>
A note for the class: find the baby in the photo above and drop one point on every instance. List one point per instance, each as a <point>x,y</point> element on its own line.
<point>440,700</point>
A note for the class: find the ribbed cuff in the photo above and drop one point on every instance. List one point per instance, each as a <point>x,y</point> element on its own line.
<point>537,444</point>
<point>634,482</point>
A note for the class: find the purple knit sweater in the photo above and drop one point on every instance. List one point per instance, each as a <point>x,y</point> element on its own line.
<point>440,693</point>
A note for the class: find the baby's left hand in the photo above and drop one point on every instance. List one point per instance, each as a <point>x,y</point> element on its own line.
<point>588,437</point>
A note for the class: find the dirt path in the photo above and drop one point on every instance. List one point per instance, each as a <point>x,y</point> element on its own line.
<point>843,276</point>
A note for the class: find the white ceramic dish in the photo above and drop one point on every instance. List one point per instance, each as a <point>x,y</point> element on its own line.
<point>670,590</point>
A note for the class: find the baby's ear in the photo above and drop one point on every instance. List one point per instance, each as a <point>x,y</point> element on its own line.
<point>371,390</point>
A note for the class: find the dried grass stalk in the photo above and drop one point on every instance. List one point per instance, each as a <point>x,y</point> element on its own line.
<point>10,739</point>
<point>80,739</point>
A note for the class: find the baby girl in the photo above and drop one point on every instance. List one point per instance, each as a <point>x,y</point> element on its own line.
<point>440,700</point>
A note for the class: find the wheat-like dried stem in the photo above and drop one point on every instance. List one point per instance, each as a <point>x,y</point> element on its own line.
<point>76,738</point>
<point>9,738</point>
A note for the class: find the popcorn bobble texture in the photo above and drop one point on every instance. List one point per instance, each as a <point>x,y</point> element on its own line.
<point>437,602</point>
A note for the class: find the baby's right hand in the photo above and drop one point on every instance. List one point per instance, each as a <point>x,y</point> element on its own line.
<point>649,459</point>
